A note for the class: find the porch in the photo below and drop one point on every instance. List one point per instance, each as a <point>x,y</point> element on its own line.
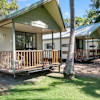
<point>29,60</point>
<point>82,55</point>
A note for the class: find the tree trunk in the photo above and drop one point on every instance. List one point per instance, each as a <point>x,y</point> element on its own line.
<point>69,68</point>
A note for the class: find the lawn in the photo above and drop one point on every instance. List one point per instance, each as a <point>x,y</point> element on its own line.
<point>56,88</point>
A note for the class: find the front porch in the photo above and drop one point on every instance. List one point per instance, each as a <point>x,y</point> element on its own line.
<point>81,54</point>
<point>29,60</point>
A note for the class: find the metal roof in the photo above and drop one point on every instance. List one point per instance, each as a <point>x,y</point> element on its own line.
<point>81,31</point>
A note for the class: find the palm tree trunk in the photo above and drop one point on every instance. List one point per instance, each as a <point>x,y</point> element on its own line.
<point>69,68</point>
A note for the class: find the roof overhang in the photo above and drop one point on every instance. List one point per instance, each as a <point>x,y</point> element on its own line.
<point>52,7</point>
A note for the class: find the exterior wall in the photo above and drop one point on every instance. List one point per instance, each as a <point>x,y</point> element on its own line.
<point>5,42</point>
<point>39,41</point>
<point>66,41</point>
<point>57,45</point>
<point>90,44</point>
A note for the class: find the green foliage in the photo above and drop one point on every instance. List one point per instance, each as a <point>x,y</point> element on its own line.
<point>95,4</point>
<point>7,6</point>
<point>90,17</point>
<point>78,21</point>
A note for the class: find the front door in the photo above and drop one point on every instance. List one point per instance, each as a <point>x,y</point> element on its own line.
<point>79,44</point>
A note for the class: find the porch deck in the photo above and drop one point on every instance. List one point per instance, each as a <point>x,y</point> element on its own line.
<point>29,60</point>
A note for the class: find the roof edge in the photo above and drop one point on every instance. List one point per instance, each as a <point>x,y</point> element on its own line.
<point>60,13</point>
<point>24,10</point>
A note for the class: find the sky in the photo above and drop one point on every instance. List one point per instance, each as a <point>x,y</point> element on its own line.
<point>80,6</point>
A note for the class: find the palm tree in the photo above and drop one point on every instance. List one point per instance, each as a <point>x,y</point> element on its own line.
<point>69,68</point>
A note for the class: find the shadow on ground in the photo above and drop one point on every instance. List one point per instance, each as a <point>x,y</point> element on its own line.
<point>7,80</point>
<point>89,86</point>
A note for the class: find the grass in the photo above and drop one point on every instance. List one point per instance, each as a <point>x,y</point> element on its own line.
<point>56,88</point>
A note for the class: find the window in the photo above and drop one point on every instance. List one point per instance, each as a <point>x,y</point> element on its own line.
<point>65,45</point>
<point>79,44</point>
<point>49,46</point>
<point>92,46</point>
<point>25,41</point>
<point>20,41</point>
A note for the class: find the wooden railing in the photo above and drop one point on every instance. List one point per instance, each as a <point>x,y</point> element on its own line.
<point>6,60</point>
<point>35,58</point>
<point>25,59</point>
<point>83,53</point>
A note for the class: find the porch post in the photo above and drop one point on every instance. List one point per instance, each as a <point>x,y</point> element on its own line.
<point>52,41</point>
<point>92,47</point>
<point>13,44</point>
<point>87,48</point>
<point>61,47</point>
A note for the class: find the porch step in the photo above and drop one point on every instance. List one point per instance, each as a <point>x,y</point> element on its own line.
<point>33,71</point>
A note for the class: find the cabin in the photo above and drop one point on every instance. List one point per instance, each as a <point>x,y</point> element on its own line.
<point>21,38</point>
<point>87,42</point>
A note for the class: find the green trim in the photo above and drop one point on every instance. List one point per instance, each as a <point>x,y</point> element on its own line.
<point>61,14</point>
<point>13,45</point>
<point>55,38</point>
<point>52,41</point>
<point>61,47</point>
<point>87,47</point>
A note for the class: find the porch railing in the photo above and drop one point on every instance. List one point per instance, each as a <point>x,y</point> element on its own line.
<point>84,53</point>
<point>25,59</point>
<point>35,58</point>
<point>6,60</point>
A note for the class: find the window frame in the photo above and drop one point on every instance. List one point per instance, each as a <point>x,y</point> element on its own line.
<point>25,34</point>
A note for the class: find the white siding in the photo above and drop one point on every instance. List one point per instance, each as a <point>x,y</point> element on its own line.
<point>57,45</point>
<point>39,41</point>
<point>5,42</point>
<point>66,41</point>
<point>90,44</point>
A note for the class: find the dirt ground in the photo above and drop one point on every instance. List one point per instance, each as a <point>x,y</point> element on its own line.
<point>87,69</point>
<point>90,69</point>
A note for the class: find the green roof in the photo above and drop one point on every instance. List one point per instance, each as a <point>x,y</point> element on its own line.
<point>24,10</point>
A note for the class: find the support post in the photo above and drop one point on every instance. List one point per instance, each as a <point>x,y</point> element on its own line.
<point>61,47</point>
<point>99,47</point>
<point>93,47</point>
<point>87,48</point>
<point>52,41</point>
<point>13,45</point>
